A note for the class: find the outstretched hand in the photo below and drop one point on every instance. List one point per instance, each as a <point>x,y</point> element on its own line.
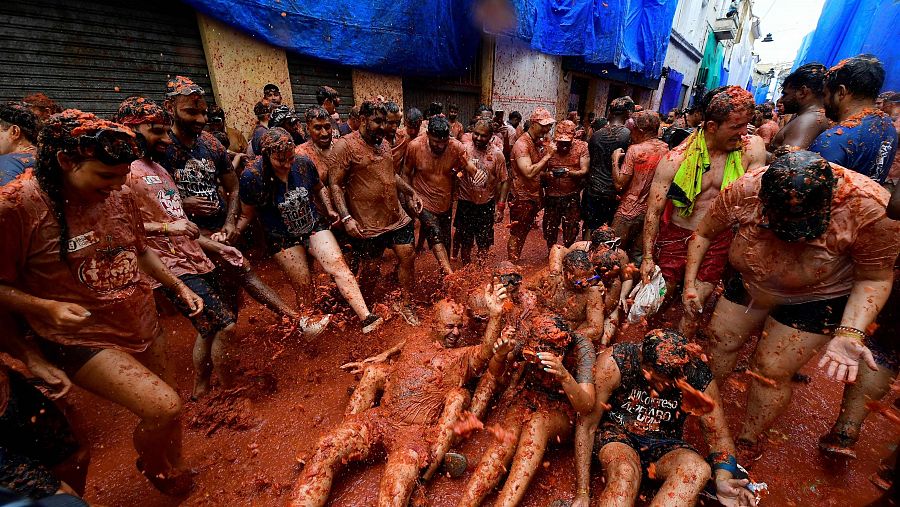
<point>842,357</point>
<point>494,297</point>
<point>56,380</point>
<point>733,493</point>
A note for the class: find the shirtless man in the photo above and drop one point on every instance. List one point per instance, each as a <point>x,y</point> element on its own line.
<point>766,128</point>
<point>364,190</point>
<point>683,180</point>
<point>456,128</point>
<point>422,399</point>
<point>529,159</point>
<point>431,167</point>
<point>802,96</point>
<point>576,294</point>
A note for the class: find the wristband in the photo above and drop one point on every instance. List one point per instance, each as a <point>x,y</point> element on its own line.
<point>501,205</point>
<point>166,228</point>
<point>851,332</point>
<point>723,461</point>
<point>346,219</point>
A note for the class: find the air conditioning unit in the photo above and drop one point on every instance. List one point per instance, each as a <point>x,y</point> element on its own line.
<point>725,28</point>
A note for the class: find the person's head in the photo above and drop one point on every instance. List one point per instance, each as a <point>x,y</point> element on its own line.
<point>481,134</point>
<point>664,355</point>
<point>547,332</point>
<point>573,117</point>
<point>795,193</point>
<point>779,107</point>
<point>215,119</point>
<point>394,119</point>
<point>328,98</point>
<point>277,149</point>
<point>671,116</point>
<point>149,121</point>
<point>272,94</point>
<point>599,123</point>
<point>41,105</point>
<point>540,123</point>
<point>82,158</point>
<point>803,87</point>
<point>413,121</point>
<point>620,110</point>
<point>510,276</point>
<point>286,118</point>
<point>515,118</point>
<point>577,269</point>
<point>262,110</point>
<point>607,263</point>
<point>353,119</point>
<point>879,101</point>
<point>693,116</point>
<point>450,319</point>
<point>726,112</point>
<point>438,135</point>
<point>604,236</point>
<point>434,109</point>
<point>452,112</point>
<point>646,126</point>
<point>856,80</point>
<point>564,135</point>
<point>318,126</point>
<point>186,104</point>
<point>373,119</point>
<point>18,127</point>
<point>891,104</point>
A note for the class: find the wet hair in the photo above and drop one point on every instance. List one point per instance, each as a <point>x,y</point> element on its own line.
<point>414,115</point>
<point>391,107</point>
<point>370,108</point>
<point>481,122</point>
<point>139,110</point>
<point>515,114</point>
<point>810,75</point>
<point>599,123</point>
<point>261,109</point>
<point>557,339</point>
<point>606,263</point>
<point>270,88</point>
<point>20,115</point>
<point>666,352</point>
<point>647,122</point>
<point>435,108</point>
<point>439,127</point>
<point>577,259</point>
<point>453,107</point>
<point>721,102</point>
<point>275,140</point>
<point>863,75</point>
<point>797,183</point>
<point>324,93</point>
<point>767,110</point>
<point>354,112</point>
<point>317,113</point>
<point>601,235</point>
<point>43,101</point>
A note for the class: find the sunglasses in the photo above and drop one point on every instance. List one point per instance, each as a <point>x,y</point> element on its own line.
<point>111,147</point>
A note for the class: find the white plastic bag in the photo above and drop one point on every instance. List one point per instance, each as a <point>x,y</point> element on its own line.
<point>647,298</point>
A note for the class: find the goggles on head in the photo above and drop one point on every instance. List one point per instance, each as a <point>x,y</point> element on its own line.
<point>111,147</point>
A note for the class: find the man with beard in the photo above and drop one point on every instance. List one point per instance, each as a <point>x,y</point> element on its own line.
<point>563,183</point>
<point>412,126</point>
<point>285,117</point>
<point>802,96</point>
<point>864,138</point>
<point>687,181</point>
<point>318,147</point>
<point>422,398</point>
<point>18,133</point>
<point>431,169</point>
<point>456,128</point>
<point>364,189</point>
<point>599,203</point>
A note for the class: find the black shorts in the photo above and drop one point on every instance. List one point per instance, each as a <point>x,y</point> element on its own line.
<point>435,227</point>
<point>68,358</point>
<point>649,449</point>
<point>34,437</point>
<point>818,317</point>
<point>216,314</point>
<point>597,210</point>
<point>373,248</point>
<point>275,244</point>
<point>475,222</point>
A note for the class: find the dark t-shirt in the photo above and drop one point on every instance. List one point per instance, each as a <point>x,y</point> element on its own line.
<point>636,410</point>
<point>285,211</point>
<point>196,171</point>
<point>14,164</point>
<point>867,145</point>
<point>601,146</point>
<point>255,139</point>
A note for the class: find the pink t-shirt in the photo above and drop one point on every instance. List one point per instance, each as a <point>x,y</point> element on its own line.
<point>640,161</point>
<point>435,177</point>
<point>100,272</point>
<point>156,195</point>
<point>491,161</point>
<point>777,272</point>
<point>522,187</point>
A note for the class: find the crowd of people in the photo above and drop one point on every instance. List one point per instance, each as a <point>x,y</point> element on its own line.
<point>786,208</point>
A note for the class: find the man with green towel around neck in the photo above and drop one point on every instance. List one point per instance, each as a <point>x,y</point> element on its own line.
<point>686,182</point>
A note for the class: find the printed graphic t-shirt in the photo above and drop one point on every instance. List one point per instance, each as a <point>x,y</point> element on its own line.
<point>197,171</point>
<point>285,210</point>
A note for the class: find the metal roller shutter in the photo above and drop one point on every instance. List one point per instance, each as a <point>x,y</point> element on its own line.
<point>92,54</point>
<point>308,74</point>
<point>464,91</point>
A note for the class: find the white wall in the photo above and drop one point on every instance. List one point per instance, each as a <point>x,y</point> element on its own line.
<point>524,79</point>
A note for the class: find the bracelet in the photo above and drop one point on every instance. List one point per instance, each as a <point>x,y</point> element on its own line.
<point>723,461</point>
<point>501,205</point>
<point>166,228</point>
<point>346,219</point>
<point>851,332</point>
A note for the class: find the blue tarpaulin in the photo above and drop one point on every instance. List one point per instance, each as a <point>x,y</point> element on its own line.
<point>671,91</point>
<point>430,37</point>
<point>850,27</point>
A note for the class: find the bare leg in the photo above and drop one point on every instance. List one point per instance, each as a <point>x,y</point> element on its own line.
<point>781,352</point>
<point>730,327</point>
<point>203,366</point>
<point>407,273</point>
<point>398,480</point>
<point>293,262</point>
<point>223,357</point>
<point>532,445</point>
<point>493,465</point>
<point>454,404</point>
<point>324,248</point>
<point>366,392</point>
<point>484,391</point>
<point>622,470</point>
<point>440,253</point>
<point>685,474</point>
<point>350,441</point>
<point>869,385</point>
<point>689,322</point>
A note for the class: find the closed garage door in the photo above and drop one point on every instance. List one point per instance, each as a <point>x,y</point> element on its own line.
<point>92,54</point>
<point>464,91</point>
<point>308,74</point>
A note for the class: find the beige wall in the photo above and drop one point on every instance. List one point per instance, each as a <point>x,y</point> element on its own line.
<point>239,67</point>
<point>368,85</point>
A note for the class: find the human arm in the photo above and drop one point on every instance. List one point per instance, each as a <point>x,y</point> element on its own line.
<point>754,154</point>
<point>181,227</point>
<point>606,380</point>
<point>622,171</point>
<point>325,199</point>
<point>656,204</point>
<point>23,349</point>
<point>729,491</point>
<point>893,207</point>
<point>503,195</point>
<point>707,230</point>
<point>358,366</point>
<point>800,132</point>
<point>248,213</point>
<point>528,169</point>
<point>414,201</point>
<point>593,324</point>
<point>584,165</point>
<point>494,297</point>
<point>233,203</point>
<point>152,266</point>
<point>579,389</point>
<point>337,174</point>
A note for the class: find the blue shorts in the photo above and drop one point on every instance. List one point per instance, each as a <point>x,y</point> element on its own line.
<point>216,314</point>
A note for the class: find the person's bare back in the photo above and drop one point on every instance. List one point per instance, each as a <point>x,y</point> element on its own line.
<point>802,129</point>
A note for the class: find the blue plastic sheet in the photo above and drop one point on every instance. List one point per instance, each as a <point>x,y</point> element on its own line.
<point>423,37</point>
<point>671,91</point>
<point>850,27</point>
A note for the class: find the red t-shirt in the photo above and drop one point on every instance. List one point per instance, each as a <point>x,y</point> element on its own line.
<point>491,161</point>
<point>777,272</point>
<point>640,161</point>
<point>558,186</point>
<point>156,195</point>
<point>100,272</point>
<point>435,175</point>
<point>522,187</point>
